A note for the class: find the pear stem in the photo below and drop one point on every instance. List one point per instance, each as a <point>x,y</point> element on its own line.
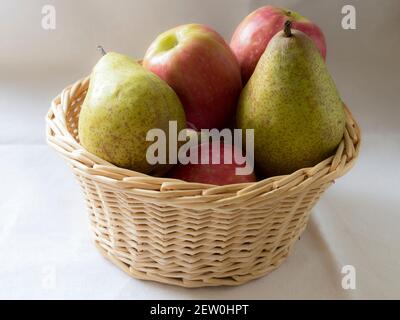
<point>101,49</point>
<point>288,28</point>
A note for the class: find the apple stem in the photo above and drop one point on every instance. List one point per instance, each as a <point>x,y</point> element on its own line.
<point>101,49</point>
<point>288,28</point>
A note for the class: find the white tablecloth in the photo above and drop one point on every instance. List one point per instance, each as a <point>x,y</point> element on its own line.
<point>46,249</point>
<point>45,245</point>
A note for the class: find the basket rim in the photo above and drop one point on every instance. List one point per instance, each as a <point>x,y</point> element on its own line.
<point>92,167</point>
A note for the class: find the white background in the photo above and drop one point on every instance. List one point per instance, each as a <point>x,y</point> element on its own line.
<point>45,245</point>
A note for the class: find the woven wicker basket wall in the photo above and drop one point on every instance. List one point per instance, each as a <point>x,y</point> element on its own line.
<point>190,234</point>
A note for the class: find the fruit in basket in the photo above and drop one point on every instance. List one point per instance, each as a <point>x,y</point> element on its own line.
<point>218,173</point>
<point>123,102</point>
<point>254,33</point>
<point>202,69</point>
<point>293,105</point>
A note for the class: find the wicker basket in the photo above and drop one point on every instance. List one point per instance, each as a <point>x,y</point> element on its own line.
<point>191,234</point>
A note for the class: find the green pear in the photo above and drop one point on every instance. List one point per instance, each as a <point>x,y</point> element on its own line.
<point>124,101</point>
<point>293,106</point>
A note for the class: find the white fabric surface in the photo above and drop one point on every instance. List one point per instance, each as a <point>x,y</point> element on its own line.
<point>45,245</point>
<point>44,232</point>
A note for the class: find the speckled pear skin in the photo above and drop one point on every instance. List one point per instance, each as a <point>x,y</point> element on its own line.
<point>293,105</point>
<point>123,102</point>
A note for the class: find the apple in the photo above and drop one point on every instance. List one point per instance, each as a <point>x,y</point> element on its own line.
<point>202,69</point>
<point>213,173</point>
<point>254,33</point>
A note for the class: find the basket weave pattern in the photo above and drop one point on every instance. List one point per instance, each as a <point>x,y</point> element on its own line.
<point>191,234</point>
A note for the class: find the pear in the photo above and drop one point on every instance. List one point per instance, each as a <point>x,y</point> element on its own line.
<point>124,101</point>
<point>293,106</point>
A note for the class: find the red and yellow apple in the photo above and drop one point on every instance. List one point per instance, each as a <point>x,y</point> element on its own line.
<point>254,33</point>
<point>221,173</point>
<point>202,69</point>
